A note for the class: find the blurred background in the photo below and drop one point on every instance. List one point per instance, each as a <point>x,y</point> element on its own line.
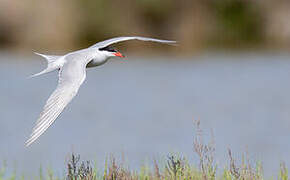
<point>198,25</point>
<point>230,71</point>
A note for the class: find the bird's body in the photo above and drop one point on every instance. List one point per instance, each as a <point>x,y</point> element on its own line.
<point>72,73</point>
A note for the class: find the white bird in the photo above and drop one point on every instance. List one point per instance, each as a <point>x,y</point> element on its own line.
<point>72,73</point>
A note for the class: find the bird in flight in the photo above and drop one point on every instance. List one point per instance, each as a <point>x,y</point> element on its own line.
<point>72,73</point>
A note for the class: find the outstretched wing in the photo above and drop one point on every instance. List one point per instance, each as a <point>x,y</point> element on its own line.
<point>119,39</point>
<point>71,76</point>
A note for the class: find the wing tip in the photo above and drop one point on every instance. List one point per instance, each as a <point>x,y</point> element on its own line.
<point>173,43</point>
<point>28,142</point>
<point>31,140</point>
<point>33,137</point>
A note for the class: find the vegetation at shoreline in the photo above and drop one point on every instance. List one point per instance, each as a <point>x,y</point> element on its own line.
<point>176,167</point>
<point>201,24</point>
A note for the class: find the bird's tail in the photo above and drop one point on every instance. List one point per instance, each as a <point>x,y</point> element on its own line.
<point>51,64</point>
<point>49,58</point>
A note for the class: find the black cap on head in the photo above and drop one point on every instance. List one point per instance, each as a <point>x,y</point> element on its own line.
<point>108,48</point>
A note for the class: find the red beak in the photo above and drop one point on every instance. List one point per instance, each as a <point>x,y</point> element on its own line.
<point>119,54</point>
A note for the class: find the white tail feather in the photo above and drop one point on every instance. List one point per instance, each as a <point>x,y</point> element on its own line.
<point>40,73</point>
<point>49,58</point>
<point>51,64</point>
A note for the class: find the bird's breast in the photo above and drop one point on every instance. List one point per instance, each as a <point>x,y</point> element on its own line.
<point>96,62</point>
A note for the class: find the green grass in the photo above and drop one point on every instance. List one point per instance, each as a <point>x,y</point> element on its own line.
<point>175,167</point>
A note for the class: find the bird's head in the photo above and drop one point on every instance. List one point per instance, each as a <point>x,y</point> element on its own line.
<point>111,52</point>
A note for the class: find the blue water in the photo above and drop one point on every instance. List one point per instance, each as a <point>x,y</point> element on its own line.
<point>145,108</point>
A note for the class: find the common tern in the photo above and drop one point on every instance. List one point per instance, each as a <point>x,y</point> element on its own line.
<point>72,73</point>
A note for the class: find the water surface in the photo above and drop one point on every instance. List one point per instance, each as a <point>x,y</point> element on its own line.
<point>145,107</point>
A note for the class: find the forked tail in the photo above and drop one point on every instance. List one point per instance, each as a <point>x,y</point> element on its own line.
<point>52,64</point>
